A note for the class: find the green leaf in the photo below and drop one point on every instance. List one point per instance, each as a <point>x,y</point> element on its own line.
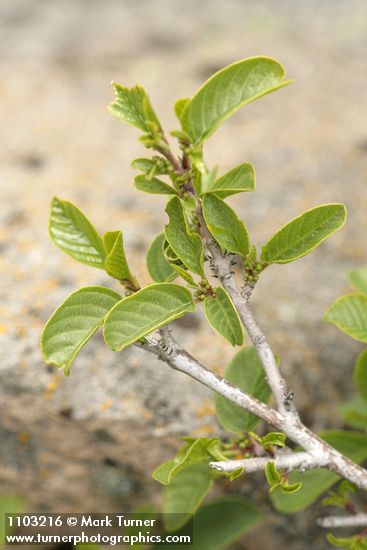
<point>271,473</point>
<point>349,313</point>
<point>341,496</point>
<point>316,482</point>
<point>239,179</point>
<point>142,513</point>
<point>360,374</point>
<point>145,311</point>
<point>303,234</point>
<point>184,275</point>
<point>227,91</point>
<point>273,438</point>
<point>346,487</point>
<point>185,494</point>
<point>187,246</point>
<point>8,505</point>
<point>245,371</point>
<point>133,106</point>
<point>143,164</point>
<point>235,474</point>
<point>180,106</point>
<point>358,279</point>
<point>208,179</point>
<point>223,317</point>
<point>159,268</point>
<point>224,225</point>
<point>354,542</point>
<point>170,254</point>
<point>71,231</point>
<point>115,263</point>
<point>290,488</point>
<point>221,522</point>
<point>74,323</point>
<point>149,167</point>
<point>354,412</point>
<point>154,186</point>
<point>191,453</point>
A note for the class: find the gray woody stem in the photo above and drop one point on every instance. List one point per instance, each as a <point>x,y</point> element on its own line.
<point>321,454</point>
<point>357,520</point>
<point>221,266</point>
<point>285,418</point>
<point>291,424</point>
<point>179,359</point>
<point>287,461</point>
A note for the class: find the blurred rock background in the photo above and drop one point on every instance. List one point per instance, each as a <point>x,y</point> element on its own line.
<point>90,442</point>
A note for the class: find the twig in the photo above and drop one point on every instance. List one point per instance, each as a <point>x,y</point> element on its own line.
<point>285,418</point>
<point>169,351</point>
<point>357,520</point>
<point>289,461</point>
<point>221,266</point>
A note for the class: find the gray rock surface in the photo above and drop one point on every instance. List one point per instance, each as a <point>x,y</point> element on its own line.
<point>93,439</point>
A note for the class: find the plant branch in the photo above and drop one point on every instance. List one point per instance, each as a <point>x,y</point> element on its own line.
<point>286,417</point>
<point>169,351</point>
<point>221,266</point>
<point>289,461</point>
<point>357,520</point>
<point>291,424</point>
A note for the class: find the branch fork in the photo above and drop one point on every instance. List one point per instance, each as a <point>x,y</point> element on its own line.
<point>284,417</point>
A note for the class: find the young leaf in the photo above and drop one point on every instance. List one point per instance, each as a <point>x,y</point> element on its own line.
<point>208,179</point>
<point>154,186</point>
<point>360,374</point>
<point>185,494</point>
<point>227,91</point>
<point>303,234</point>
<point>290,488</point>
<point>341,496</point>
<point>245,371</point>
<point>186,245</point>
<point>71,231</point>
<point>74,323</point>
<point>355,542</point>
<point>358,279</point>
<point>223,317</point>
<point>271,473</point>
<point>235,474</point>
<point>239,179</point>
<point>115,262</point>
<point>192,453</point>
<point>273,438</point>
<point>133,106</point>
<point>180,106</point>
<point>184,275</point>
<point>170,254</point>
<point>316,482</point>
<point>224,225</point>
<point>150,167</point>
<point>349,313</point>
<point>334,500</point>
<point>145,311</point>
<point>221,522</point>
<point>159,268</point>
